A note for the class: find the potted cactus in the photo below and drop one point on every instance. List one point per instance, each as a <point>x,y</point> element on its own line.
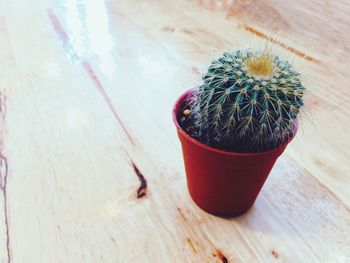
<point>235,125</point>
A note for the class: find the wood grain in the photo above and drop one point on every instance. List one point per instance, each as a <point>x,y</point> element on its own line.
<point>90,165</point>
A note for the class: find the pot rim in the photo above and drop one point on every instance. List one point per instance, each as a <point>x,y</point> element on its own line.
<point>215,150</point>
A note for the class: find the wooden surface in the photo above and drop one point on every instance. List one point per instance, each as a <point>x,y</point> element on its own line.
<point>91,167</point>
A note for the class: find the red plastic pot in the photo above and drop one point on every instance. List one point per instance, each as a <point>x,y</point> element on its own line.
<point>220,182</point>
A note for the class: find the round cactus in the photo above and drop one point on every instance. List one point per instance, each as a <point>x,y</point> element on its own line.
<point>249,101</point>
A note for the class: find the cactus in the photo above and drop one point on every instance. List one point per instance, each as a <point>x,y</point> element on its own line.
<point>248,102</point>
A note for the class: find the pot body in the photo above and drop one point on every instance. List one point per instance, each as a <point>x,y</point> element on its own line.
<point>220,182</point>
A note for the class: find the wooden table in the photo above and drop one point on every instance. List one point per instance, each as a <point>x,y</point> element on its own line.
<point>86,94</point>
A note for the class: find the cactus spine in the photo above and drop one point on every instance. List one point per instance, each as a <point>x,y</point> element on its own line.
<point>248,101</point>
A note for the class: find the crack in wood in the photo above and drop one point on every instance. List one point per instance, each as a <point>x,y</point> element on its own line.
<point>63,36</point>
<point>181,213</point>
<point>91,73</point>
<point>190,243</point>
<point>220,255</point>
<point>281,44</point>
<point>142,190</point>
<point>274,253</point>
<point>3,177</point>
<point>3,187</point>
